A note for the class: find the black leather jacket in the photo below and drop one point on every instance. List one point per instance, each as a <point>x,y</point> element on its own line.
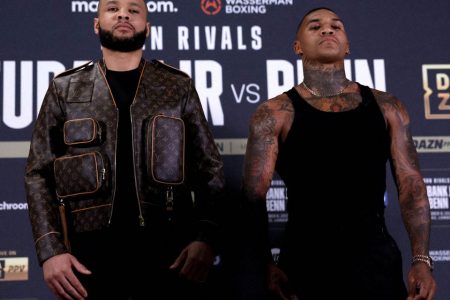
<point>83,94</point>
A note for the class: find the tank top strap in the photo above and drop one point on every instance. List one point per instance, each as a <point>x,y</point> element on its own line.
<point>366,95</point>
<point>296,99</point>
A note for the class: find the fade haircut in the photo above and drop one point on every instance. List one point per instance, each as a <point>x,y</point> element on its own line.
<point>145,4</point>
<point>310,12</point>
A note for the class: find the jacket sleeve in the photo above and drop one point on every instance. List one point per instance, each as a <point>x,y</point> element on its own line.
<point>39,183</point>
<point>205,169</point>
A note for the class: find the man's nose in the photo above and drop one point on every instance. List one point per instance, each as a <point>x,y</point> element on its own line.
<point>327,31</point>
<point>123,15</point>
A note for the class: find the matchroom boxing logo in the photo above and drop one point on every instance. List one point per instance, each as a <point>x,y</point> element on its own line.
<point>436,84</point>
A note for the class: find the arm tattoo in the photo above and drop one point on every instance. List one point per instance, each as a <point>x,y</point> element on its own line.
<point>411,188</point>
<point>261,149</point>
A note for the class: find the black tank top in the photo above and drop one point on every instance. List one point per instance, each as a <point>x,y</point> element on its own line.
<point>334,167</point>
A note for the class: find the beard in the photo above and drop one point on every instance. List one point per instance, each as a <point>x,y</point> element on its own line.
<point>126,44</point>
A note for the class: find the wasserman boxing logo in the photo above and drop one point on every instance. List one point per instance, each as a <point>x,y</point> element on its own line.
<point>440,255</point>
<point>213,7</point>
<point>153,7</point>
<point>436,84</point>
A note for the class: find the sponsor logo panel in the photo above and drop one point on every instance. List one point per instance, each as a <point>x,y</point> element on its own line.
<point>438,191</point>
<point>13,268</point>
<point>432,144</point>
<point>440,255</point>
<point>276,202</point>
<point>436,84</point>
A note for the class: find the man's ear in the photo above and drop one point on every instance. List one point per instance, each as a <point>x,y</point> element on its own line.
<point>96,25</point>
<point>297,48</point>
<point>147,29</point>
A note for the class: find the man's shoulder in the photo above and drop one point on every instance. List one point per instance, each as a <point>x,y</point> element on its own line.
<point>76,70</point>
<point>279,107</point>
<point>278,102</point>
<point>169,69</point>
<point>385,98</point>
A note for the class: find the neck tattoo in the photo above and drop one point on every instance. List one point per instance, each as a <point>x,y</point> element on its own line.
<point>328,95</point>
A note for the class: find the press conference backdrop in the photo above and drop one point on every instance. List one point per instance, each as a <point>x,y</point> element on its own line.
<point>239,53</point>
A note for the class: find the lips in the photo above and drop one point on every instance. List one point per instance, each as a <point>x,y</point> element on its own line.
<point>120,26</point>
<point>328,39</point>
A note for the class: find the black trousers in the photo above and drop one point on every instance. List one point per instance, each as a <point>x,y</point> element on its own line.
<point>133,264</point>
<point>369,270</point>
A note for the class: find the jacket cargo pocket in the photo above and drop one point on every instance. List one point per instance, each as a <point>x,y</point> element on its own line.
<point>80,175</point>
<point>82,132</point>
<point>165,150</point>
<point>165,147</point>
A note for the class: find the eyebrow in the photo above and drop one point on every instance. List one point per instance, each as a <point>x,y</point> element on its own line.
<point>115,2</point>
<point>318,20</point>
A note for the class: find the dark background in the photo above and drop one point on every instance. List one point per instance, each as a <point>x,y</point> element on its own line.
<point>403,35</point>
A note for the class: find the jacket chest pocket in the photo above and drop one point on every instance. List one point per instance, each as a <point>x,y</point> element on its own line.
<point>80,175</point>
<point>82,132</point>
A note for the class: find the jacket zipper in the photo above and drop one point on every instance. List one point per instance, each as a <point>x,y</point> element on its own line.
<point>115,146</point>
<point>141,218</point>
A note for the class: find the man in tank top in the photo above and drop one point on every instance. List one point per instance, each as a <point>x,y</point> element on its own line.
<point>335,136</point>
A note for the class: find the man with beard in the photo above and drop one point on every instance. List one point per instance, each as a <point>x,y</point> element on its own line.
<point>329,139</point>
<point>123,176</point>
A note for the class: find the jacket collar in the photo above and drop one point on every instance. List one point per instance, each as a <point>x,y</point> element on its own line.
<point>102,65</point>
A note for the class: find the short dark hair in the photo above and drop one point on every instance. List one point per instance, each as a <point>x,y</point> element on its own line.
<point>309,12</point>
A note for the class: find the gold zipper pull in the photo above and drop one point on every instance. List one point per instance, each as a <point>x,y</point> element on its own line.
<point>141,221</point>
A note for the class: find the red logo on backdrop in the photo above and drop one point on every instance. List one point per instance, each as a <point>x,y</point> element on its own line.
<point>211,7</point>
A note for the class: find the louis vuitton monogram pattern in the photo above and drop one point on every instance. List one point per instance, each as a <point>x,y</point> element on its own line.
<point>165,149</point>
<point>81,131</point>
<point>84,94</point>
<point>79,175</point>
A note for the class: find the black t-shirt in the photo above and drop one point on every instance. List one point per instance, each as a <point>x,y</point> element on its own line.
<point>123,86</point>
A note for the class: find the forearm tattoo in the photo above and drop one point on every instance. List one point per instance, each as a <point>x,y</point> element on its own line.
<point>411,188</point>
<point>261,146</point>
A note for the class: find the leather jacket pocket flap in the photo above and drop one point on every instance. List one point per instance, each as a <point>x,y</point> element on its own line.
<point>79,175</point>
<point>165,149</point>
<point>85,131</point>
<point>80,91</point>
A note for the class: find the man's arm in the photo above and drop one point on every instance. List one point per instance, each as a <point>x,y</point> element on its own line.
<point>269,126</point>
<point>414,205</point>
<point>206,178</point>
<point>46,144</point>
<point>42,203</point>
<point>204,167</point>
<point>259,166</point>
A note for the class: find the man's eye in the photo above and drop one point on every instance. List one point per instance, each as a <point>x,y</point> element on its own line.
<point>113,9</point>
<point>336,27</point>
<point>134,11</point>
<point>316,27</point>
